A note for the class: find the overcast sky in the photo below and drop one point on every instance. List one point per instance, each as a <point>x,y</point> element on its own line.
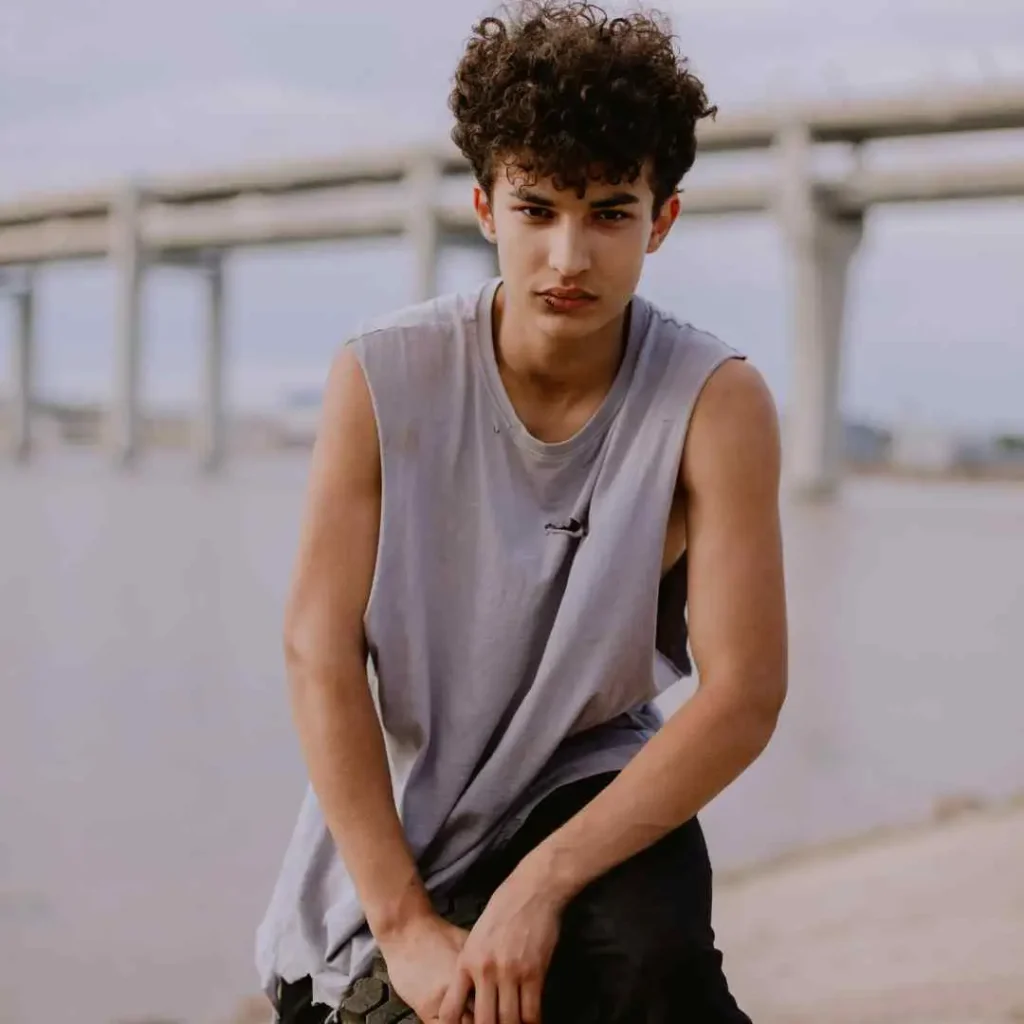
<point>92,90</point>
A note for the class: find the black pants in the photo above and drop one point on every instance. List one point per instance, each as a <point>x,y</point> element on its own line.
<point>636,945</point>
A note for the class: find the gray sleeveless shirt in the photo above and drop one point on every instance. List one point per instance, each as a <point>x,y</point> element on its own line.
<point>513,621</point>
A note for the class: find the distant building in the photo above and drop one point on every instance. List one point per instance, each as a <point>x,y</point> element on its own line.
<point>299,417</point>
<point>921,448</point>
<point>253,433</point>
<point>168,429</point>
<point>866,445</point>
<point>1002,454</point>
<point>71,424</point>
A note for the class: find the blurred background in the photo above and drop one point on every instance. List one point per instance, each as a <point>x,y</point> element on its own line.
<point>157,425</point>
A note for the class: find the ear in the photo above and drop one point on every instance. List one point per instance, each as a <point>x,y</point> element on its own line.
<point>484,214</point>
<point>663,222</point>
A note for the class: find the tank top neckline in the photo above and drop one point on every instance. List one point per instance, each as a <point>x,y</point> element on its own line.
<point>602,416</point>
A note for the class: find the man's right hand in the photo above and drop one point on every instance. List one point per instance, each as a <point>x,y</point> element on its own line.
<point>421,958</point>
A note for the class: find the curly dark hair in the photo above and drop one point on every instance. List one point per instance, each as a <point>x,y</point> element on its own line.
<point>568,92</point>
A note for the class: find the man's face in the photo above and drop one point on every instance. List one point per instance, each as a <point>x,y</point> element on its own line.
<point>570,265</point>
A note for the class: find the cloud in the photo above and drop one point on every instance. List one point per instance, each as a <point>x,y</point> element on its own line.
<point>183,128</point>
<point>75,43</point>
<point>96,89</point>
<point>749,50</point>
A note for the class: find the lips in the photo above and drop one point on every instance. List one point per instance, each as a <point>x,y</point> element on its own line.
<point>567,300</point>
<point>571,294</point>
<point>559,304</point>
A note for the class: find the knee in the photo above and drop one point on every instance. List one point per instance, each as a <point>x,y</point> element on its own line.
<point>632,972</point>
<point>647,922</point>
<point>658,971</point>
<point>654,910</point>
<point>627,944</point>
<point>661,950</point>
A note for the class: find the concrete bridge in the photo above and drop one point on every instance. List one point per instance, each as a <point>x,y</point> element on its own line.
<point>195,222</point>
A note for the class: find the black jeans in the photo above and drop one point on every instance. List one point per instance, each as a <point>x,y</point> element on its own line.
<point>636,945</point>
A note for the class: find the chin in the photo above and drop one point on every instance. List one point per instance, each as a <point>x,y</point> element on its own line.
<point>557,325</point>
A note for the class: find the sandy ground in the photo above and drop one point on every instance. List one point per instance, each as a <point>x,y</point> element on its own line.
<point>922,925</point>
<point>919,925</point>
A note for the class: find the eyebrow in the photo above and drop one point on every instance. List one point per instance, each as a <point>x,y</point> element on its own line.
<point>618,199</point>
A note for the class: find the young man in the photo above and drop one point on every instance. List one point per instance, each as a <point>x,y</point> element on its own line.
<point>512,495</point>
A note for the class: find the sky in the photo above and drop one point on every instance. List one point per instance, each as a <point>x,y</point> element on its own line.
<point>96,90</point>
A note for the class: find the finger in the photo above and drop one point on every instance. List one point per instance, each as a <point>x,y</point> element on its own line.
<point>453,1005</point>
<point>508,1002</point>
<point>529,1001</point>
<point>485,1002</point>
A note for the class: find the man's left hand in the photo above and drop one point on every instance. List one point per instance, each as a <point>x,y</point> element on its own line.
<point>506,957</point>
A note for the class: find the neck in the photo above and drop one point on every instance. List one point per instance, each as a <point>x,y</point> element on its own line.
<point>558,367</point>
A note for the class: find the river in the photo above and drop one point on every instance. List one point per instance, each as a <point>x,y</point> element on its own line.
<point>150,777</point>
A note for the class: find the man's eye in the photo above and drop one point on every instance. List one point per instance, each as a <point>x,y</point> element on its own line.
<point>613,215</point>
<point>535,212</point>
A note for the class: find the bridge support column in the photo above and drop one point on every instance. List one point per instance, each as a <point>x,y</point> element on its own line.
<point>424,182</point>
<point>822,243</point>
<point>209,423</point>
<point>22,363</point>
<point>23,372</point>
<point>128,259</point>
<point>211,420</point>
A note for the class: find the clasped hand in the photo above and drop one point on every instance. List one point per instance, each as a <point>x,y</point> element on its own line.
<point>493,974</point>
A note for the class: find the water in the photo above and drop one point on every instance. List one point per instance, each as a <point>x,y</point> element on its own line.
<point>149,775</point>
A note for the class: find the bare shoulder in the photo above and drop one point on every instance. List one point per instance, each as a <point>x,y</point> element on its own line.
<point>734,432</point>
<point>338,537</point>
<point>347,448</point>
<point>730,489</point>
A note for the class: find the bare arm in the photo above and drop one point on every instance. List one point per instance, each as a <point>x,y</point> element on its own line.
<point>326,655</point>
<point>729,481</point>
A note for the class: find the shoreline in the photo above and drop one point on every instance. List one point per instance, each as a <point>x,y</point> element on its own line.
<point>952,809</point>
<point>904,925</point>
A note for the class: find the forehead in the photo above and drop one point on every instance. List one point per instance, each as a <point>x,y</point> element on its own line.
<point>513,177</point>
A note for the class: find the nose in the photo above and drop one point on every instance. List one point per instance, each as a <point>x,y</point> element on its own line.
<point>569,255</point>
